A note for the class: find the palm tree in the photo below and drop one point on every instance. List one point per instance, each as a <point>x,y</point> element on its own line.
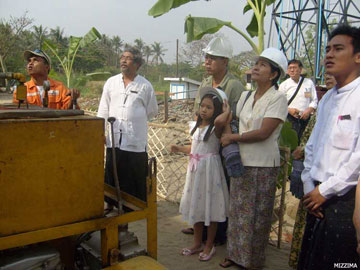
<point>106,46</point>
<point>139,44</point>
<point>117,44</point>
<point>147,53</point>
<point>158,52</point>
<point>57,36</point>
<point>39,33</point>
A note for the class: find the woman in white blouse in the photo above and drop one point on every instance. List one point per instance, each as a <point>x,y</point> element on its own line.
<point>261,115</point>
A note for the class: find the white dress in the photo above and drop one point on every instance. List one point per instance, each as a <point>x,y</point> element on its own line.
<point>205,197</point>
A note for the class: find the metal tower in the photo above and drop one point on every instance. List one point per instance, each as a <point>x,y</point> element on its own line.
<point>300,28</point>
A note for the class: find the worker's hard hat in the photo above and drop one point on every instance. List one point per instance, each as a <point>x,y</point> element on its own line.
<point>37,52</point>
<point>277,58</point>
<point>219,47</point>
<point>213,91</point>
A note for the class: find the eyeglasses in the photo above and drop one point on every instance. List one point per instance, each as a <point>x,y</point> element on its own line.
<point>213,57</point>
<point>38,51</point>
<point>126,58</point>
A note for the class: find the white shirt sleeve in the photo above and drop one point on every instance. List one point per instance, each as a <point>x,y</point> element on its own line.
<point>103,110</point>
<point>314,99</point>
<point>151,106</point>
<point>282,87</point>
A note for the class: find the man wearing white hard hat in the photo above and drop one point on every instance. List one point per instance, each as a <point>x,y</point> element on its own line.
<point>217,55</point>
<point>301,95</point>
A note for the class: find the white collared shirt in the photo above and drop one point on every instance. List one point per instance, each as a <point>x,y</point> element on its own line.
<point>132,107</point>
<point>332,154</point>
<point>306,96</point>
<point>271,105</point>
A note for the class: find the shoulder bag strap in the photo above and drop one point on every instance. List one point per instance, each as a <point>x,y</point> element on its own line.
<point>246,98</point>
<point>297,90</point>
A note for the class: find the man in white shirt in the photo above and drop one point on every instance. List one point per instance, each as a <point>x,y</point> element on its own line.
<point>332,160</point>
<point>130,98</point>
<point>301,95</point>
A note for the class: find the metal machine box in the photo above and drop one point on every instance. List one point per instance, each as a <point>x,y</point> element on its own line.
<point>51,172</point>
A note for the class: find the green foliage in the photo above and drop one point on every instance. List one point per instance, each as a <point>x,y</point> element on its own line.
<point>74,44</point>
<point>288,137</point>
<point>99,76</point>
<point>196,27</point>
<point>164,6</point>
<point>258,6</point>
<point>11,37</point>
<point>158,52</point>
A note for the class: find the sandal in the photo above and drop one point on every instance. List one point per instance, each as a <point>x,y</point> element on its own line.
<point>206,257</point>
<point>227,263</point>
<point>188,231</point>
<point>189,252</point>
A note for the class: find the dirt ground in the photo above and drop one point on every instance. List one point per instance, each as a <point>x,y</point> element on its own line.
<point>171,241</point>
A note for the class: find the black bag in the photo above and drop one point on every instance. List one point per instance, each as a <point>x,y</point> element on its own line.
<point>231,153</point>
<point>296,185</point>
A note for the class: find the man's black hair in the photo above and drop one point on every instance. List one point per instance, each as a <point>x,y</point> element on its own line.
<point>295,61</point>
<point>347,30</point>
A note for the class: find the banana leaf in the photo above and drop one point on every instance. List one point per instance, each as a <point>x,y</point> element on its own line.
<point>197,27</point>
<point>73,45</point>
<point>90,37</point>
<point>163,6</point>
<point>253,27</point>
<point>99,76</point>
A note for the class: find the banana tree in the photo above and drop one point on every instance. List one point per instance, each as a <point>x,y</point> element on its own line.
<point>197,27</point>
<point>75,43</point>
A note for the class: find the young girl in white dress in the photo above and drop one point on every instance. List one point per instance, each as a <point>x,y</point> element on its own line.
<point>205,198</point>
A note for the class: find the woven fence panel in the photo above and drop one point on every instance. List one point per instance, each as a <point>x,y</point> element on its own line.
<point>171,167</point>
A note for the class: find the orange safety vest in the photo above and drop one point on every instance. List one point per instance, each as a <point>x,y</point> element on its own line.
<point>57,94</point>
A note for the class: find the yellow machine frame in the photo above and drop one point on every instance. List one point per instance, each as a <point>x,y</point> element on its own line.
<point>43,131</point>
<point>107,225</point>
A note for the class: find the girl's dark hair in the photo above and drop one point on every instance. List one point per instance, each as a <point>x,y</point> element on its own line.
<point>217,111</point>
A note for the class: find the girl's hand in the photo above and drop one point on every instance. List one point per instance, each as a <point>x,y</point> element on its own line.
<point>174,148</point>
<point>226,139</point>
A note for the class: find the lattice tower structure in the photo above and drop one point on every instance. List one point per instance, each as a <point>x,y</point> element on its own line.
<point>300,28</point>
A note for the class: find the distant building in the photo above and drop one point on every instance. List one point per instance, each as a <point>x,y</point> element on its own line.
<point>182,88</point>
<point>248,79</point>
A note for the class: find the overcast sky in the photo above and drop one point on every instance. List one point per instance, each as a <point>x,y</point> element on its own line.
<point>129,20</point>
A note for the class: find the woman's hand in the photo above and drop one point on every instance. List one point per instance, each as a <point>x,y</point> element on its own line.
<point>226,139</point>
<point>298,153</point>
<point>226,107</point>
<point>229,118</point>
<point>174,148</point>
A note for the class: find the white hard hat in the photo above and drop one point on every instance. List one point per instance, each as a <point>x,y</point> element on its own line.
<point>276,57</point>
<point>219,47</point>
<point>213,91</point>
